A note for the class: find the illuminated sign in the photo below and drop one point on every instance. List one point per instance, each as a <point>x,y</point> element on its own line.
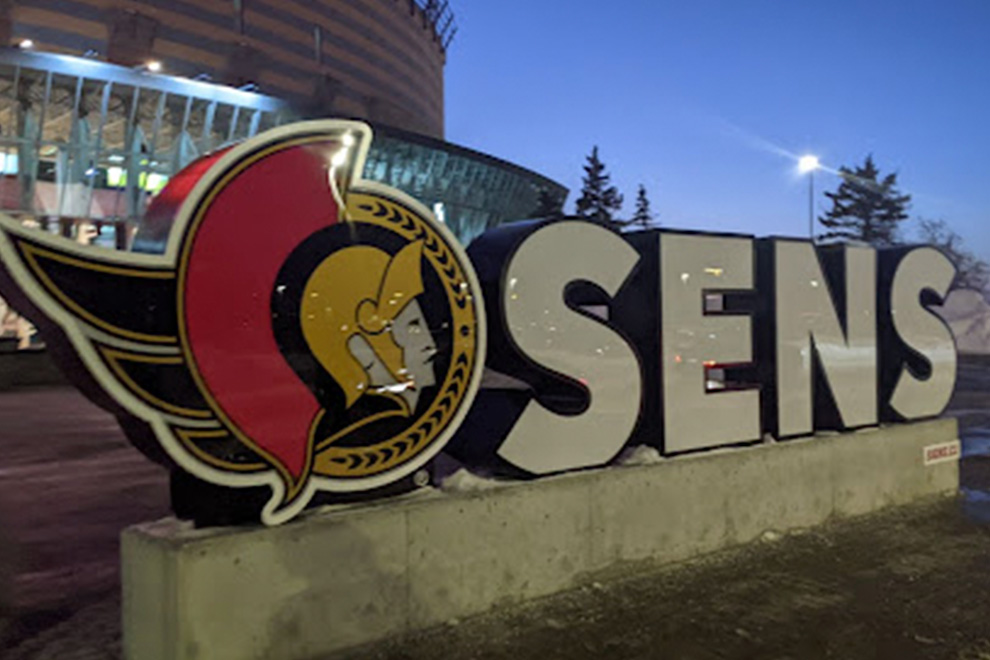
<point>308,331</point>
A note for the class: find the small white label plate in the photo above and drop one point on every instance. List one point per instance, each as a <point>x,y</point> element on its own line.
<point>942,452</point>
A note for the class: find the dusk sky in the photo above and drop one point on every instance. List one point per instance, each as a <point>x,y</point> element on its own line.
<point>703,101</point>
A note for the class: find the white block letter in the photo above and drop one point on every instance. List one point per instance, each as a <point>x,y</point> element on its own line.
<point>923,331</point>
<point>560,339</point>
<point>692,341</point>
<point>807,324</point>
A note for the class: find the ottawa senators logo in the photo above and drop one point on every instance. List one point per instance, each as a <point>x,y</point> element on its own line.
<point>304,329</point>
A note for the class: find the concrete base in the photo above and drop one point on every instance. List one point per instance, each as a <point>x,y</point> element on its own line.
<point>350,575</point>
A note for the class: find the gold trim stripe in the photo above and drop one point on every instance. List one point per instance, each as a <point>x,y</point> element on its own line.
<point>31,254</point>
<point>187,437</point>
<point>113,358</point>
<point>326,442</point>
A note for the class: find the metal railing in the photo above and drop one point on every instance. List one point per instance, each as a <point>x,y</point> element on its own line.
<point>80,138</point>
<point>441,17</point>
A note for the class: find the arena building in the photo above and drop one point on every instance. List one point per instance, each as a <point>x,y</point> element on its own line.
<point>101,101</point>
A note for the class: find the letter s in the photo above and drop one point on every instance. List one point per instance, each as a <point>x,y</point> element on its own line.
<point>547,331</point>
<point>919,367</point>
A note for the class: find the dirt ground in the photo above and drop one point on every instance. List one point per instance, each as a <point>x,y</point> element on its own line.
<point>905,583</point>
<point>912,582</point>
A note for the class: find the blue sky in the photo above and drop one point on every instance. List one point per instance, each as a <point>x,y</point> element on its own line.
<point>702,101</point>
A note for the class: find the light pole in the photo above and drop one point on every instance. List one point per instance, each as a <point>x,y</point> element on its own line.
<point>808,165</point>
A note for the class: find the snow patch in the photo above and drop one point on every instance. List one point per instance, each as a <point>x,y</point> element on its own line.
<point>639,455</point>
<point>463,481</point>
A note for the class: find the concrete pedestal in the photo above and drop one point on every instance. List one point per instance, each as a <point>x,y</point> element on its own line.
<point>351,575</point>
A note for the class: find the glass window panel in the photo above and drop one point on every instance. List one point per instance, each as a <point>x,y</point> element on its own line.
<point>9,185</point>
<point>170,130</point>
<point>243,123</point>
<point>8,97</point>
<point>222,119</point>
<point>268,121</point>
<point>148,119</point>
<point>108,202</point>
<point>200,124</point>
<point>58,113</point>
<point>117,125</point>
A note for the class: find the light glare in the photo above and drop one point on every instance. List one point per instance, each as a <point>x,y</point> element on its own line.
<point>808,164</point>
<point>339,158</point>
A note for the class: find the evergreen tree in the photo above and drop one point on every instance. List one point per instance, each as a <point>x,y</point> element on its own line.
<point>864,207</point>
<point>642,216</point>
<point>971,271</point>
<point>598,199</point>
<point>548,205</point>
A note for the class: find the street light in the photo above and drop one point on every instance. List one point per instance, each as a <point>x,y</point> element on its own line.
<point>807,165</point>
<point>151,66</point>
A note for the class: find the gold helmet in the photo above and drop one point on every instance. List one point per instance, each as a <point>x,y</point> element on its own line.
<point>359,291</point>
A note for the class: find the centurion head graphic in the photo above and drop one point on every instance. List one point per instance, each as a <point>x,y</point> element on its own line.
<point>283,323</point>
<point>371,335</point>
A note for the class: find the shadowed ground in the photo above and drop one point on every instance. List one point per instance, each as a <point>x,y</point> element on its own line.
<point>69,482</point>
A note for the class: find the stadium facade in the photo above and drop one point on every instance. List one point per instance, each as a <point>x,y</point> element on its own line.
<point>101,101</point>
